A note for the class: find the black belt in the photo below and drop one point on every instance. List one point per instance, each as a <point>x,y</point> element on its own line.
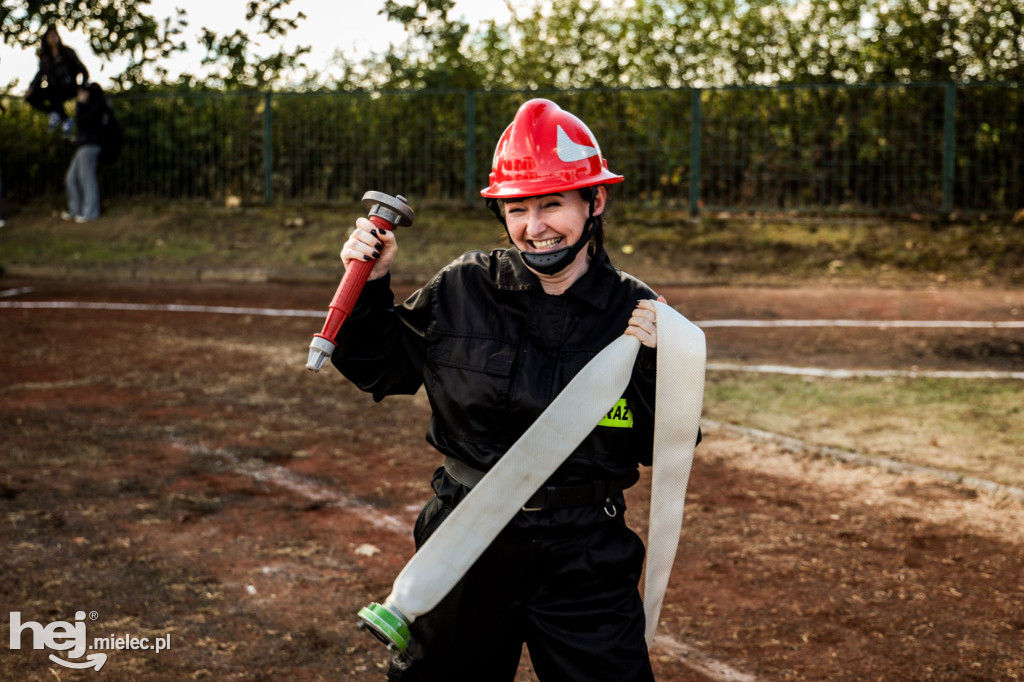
<point>550,496</point>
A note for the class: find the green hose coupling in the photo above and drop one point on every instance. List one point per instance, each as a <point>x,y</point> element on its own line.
<point>386,624</point>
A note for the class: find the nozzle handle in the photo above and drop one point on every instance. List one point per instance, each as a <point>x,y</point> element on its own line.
<point>385,212</point>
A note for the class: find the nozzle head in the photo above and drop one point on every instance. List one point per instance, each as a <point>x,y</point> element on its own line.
<point>386,624</point>
<point>320,351</point>
<point>395,210</point>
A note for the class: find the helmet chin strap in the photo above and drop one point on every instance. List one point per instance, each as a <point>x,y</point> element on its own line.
<point>553,262</point>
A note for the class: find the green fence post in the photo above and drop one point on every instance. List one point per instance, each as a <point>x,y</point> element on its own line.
<point>470,148</point>
<point>268,147</point>
<point>949,148</point>
<point>695,137</point>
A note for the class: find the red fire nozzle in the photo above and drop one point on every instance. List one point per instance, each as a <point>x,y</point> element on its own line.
<point>386,213</point>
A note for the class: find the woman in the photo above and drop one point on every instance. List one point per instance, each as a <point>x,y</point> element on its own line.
<point>83,189</point>
<point>493,338</point>
<point>56,81</point>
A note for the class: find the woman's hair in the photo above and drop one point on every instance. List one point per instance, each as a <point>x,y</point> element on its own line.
<point>44,45</point>
<point>597,241</point>
<point>51,28</point>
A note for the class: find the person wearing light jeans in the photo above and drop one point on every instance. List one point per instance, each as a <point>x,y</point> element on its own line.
<point>83,188</point>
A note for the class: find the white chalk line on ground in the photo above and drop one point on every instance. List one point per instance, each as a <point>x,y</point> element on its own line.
<point>307,488</point>
<point>7,293</point>
<point>161,308</point>
<point>874,324</point>
<point>706,324</point>
<point>863,373</point>
<point>697,660</point>
<point>849,457</point>
<point>773,369</point>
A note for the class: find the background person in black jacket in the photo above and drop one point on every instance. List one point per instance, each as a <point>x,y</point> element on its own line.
<point>83,190</point>
<point>56,81</point>
<point>493,338</point>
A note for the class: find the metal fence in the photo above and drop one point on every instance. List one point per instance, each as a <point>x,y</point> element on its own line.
<point>868,148</point>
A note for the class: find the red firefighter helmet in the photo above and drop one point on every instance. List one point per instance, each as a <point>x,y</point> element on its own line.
<point>545,150</point>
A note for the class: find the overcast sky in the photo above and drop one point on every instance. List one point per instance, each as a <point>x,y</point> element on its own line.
<point>352,26</point>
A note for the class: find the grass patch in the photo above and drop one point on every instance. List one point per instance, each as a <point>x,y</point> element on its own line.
<point>972,427</point>
<point>200,236</point>
<point>656,245</point>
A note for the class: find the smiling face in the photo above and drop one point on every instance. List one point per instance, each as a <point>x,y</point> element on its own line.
<point>551,221</point>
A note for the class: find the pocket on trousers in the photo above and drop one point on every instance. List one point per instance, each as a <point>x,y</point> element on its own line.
<point>431,516</point>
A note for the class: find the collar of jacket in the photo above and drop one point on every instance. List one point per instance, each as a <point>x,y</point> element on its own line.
<point>594,287</point>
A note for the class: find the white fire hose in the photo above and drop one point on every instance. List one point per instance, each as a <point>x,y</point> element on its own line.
<point>488,507</point>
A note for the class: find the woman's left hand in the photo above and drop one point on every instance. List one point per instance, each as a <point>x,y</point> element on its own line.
<point>644,323</point>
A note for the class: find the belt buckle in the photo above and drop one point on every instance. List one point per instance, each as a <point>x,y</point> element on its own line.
<point>530,509</point>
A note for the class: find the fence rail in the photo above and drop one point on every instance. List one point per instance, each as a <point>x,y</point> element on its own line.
<point>867,148</point>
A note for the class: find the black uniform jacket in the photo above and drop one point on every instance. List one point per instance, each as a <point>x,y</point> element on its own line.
<point>493,350</point>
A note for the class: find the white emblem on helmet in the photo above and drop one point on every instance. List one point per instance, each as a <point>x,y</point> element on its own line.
<point>569,151</point>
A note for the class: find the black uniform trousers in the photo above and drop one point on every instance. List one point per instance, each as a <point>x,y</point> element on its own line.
<point>564,584</point>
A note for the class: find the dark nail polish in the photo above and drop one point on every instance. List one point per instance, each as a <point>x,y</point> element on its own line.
<point>365,257</point>
<point>380,247</point>
<point>376,254</point>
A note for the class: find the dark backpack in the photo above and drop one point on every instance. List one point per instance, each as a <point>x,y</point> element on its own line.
<point>111,137</point>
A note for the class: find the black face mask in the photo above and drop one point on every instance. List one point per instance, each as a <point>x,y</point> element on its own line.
<point>553,262</point>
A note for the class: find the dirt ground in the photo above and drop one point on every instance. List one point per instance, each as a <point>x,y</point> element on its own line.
<point>182,474</point>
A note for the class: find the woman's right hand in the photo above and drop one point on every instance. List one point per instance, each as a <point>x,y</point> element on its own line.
<point>368,242</point>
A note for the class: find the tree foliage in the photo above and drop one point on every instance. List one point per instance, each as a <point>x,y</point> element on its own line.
<point>949,40</point>
<point>706,43</point>
<point>113,28</point>
<point>433,56</point>
<point>573,43</point>
<point>237,65</point>
<point>126,28</point>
